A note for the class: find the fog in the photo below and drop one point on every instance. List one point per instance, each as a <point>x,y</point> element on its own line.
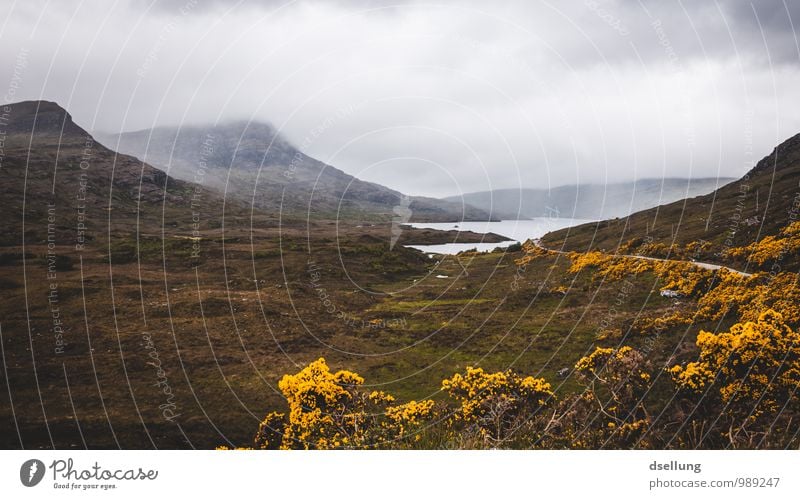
<point>433,98</point>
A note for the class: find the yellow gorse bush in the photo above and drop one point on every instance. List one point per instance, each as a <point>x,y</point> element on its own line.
<point>769,248</point>
<point>410,417</point>
<point>616,381</point>
<point>718,292</point>
<point>494,403</point>
<point>590,259</point>
<point>620,372</point>
<point>412,412</point>
<point>683,277</point>
<point>748,297</point>
<point>754,367</point>
<point>531,252</point>
<point>315,397</point>
<point>328,410</point>
<point>744,379</point>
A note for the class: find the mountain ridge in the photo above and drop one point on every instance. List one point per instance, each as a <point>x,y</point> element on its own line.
<point>761,203</point>
<point>61,183</point>
<point>252,162</point>
<point>589,200</point>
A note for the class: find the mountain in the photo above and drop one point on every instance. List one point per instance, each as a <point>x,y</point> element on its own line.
<point>588,201</point>
<point>124,292</point>
<point>761,203</point>
<point>59,185</point>
<point>251,162</point>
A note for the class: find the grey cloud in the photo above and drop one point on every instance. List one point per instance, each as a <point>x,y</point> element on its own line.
<point>762,31</point>
<point>772,14</point>
<point>202,6</point>
<point>770,22</point>
<point>437,98</point>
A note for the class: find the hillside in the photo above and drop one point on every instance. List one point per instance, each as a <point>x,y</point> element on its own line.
<point>116,277</point>
<point>60,185</point>
<point>149,347</point>
<point>588,201</point>
<point>761,203</point>
<point>251,162</point>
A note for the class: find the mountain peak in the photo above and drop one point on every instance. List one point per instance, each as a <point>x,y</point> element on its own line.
<point>785,154</point>
<point>39,117</point>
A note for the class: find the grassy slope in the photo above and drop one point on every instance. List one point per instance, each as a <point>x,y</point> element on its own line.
<point>227,329</point>
<point>263,299</point>
<point>737,214</point>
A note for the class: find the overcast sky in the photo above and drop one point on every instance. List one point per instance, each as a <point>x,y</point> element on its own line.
<point>433,98</point>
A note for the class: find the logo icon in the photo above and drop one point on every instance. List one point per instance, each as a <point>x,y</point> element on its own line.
<point>31,472</point>
<point>402,214</point>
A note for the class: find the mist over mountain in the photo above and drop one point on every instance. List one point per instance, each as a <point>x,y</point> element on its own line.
<point>251,162</point>
<point>589,201</point>
<point>61,184</point>
<point>761,203</point>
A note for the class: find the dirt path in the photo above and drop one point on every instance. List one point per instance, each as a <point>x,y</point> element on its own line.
<point>702,265</point>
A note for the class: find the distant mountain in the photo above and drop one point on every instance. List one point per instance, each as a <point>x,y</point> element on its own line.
<point>761,203</point>
<point>590,201</point>
<point>251,162</point>
<point>60,185</point>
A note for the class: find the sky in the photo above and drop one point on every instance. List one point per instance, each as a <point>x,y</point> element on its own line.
<point>433,98</point>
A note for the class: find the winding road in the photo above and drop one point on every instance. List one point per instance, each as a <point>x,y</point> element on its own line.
<point>702,265</point>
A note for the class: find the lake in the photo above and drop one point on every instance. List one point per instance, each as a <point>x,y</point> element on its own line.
<point>518,230</point>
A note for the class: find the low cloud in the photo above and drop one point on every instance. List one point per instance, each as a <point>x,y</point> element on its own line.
<point>435,99</point>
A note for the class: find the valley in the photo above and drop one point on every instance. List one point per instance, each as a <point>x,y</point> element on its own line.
<point>142,311</point>
<point>260,304</point>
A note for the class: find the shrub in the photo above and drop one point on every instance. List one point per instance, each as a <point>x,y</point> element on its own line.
<point>409,418</point>
<point>532,252</point>
<point>616,381</point>
<point>328,411</point>
<point>751,371</point>
<point>769,248</point>
<point>497,404</point>
<point>590,259</point>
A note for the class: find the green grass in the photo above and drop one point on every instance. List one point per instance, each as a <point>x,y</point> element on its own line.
<point>414,306</point>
